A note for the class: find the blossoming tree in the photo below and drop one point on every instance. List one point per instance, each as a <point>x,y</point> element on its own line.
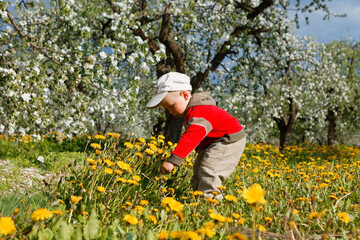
<point>76,65</point>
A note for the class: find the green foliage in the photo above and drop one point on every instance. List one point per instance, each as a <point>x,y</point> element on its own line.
<point>306,186</point>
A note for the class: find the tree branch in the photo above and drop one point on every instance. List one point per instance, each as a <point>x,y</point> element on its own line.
<point>225,49</point>
<point>171,45</point>
<point>27,38</point>
<point>254,12</point>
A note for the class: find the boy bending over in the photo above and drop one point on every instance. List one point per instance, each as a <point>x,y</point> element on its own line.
<point>216,136</point>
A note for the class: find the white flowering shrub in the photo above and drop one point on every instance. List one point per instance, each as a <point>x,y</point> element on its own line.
<point>87,66</point>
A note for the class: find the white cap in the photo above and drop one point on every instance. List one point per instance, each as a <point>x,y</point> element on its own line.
<point>169,82</point>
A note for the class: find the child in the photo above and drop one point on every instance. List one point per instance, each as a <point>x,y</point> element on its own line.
<point>218,137</point>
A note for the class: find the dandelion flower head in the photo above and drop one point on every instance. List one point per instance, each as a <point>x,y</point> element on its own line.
<point>254,194</point>
<point>41,214</point>
<point>7,226</point>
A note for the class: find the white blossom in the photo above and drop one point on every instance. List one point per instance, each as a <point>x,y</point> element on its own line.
<point>26,97</point>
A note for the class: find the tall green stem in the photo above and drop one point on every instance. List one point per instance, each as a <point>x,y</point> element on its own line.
<point>253,222</point>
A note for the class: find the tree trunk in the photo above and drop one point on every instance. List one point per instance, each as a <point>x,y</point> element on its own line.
<point>173,127</point>
<point>332,120</point>
<point>286,128</point>
<point>286,124</point>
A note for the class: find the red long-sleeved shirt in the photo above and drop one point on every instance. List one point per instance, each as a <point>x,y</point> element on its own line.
<point>204,123</point>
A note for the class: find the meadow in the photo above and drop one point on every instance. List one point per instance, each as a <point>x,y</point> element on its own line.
<point>110,187</point>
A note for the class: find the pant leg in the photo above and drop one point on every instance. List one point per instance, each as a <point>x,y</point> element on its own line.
<point>219,160</point>
<point>195,177</point>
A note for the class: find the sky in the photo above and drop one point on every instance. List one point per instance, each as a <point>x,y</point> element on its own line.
<point>336,28</point>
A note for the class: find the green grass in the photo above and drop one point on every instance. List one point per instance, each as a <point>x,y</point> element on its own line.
<point>298,182</point>
<point>20,156</point>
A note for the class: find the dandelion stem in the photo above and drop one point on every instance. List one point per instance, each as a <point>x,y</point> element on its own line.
<point>253,223</point>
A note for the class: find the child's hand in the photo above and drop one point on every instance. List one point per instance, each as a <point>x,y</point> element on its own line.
<point>167,167</point>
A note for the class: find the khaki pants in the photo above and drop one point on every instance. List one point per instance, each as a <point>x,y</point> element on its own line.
<point>214,165</point>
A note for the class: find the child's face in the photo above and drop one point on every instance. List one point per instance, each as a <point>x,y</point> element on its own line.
<point>176,102</point>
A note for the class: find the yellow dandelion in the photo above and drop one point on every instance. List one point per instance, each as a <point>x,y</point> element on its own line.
<point>313,215</point>
<point>241,221</point>
<point>171,190</point>
<point>217,217</point>
<point>261,228</point>
<point>131,219</point>
<point>139,209</point>
<point>152,219</point>
<point>7,226</point>
<point>254,194</point>
<point>109,163</point>
<point>163,235</point>
<point>172,204</point>
<point>176,234</point>
<point>197,193</point>
<point>41,214</point>
<point>136,178</point>
<point>57,212</point>
<point>149,151</point>
<point>75,199</point>
<point>344,217</point>
<point>190,235</point>
<point>124,166</point>
<point>133,182</point>
<point>221,187</point>
<point>16,210</point>
<point>235,215</point>
<point>118,172</point>
<point>292,224</point>
<point>101,189</point>
<point>98,136</point>
<point>95,145</point>
<point>85,213</point>
<point>139,154</point>
<point>231,198</point>
<point>211,200</point>
<point>321,185</point>
<point>296,212</point>
<point>120,179</point>
<point>108,171</point>
<point>93,167</point>
<point>114,135</point>
<point>141,140</point>
<point>91,161</point>
<point>236,236</point>
<point>128,145</point>
<point>206,231</point>
<point>332,196</point>
<point>180,215</point>
<point>144,202</point>
<point>152,147</point>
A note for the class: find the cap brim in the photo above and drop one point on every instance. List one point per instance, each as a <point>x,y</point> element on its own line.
<point>156,100</point>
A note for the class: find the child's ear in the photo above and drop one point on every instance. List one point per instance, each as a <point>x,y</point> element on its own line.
<point>185,94</point>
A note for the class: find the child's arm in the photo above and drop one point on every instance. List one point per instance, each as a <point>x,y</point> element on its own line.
<point>191,138</point>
